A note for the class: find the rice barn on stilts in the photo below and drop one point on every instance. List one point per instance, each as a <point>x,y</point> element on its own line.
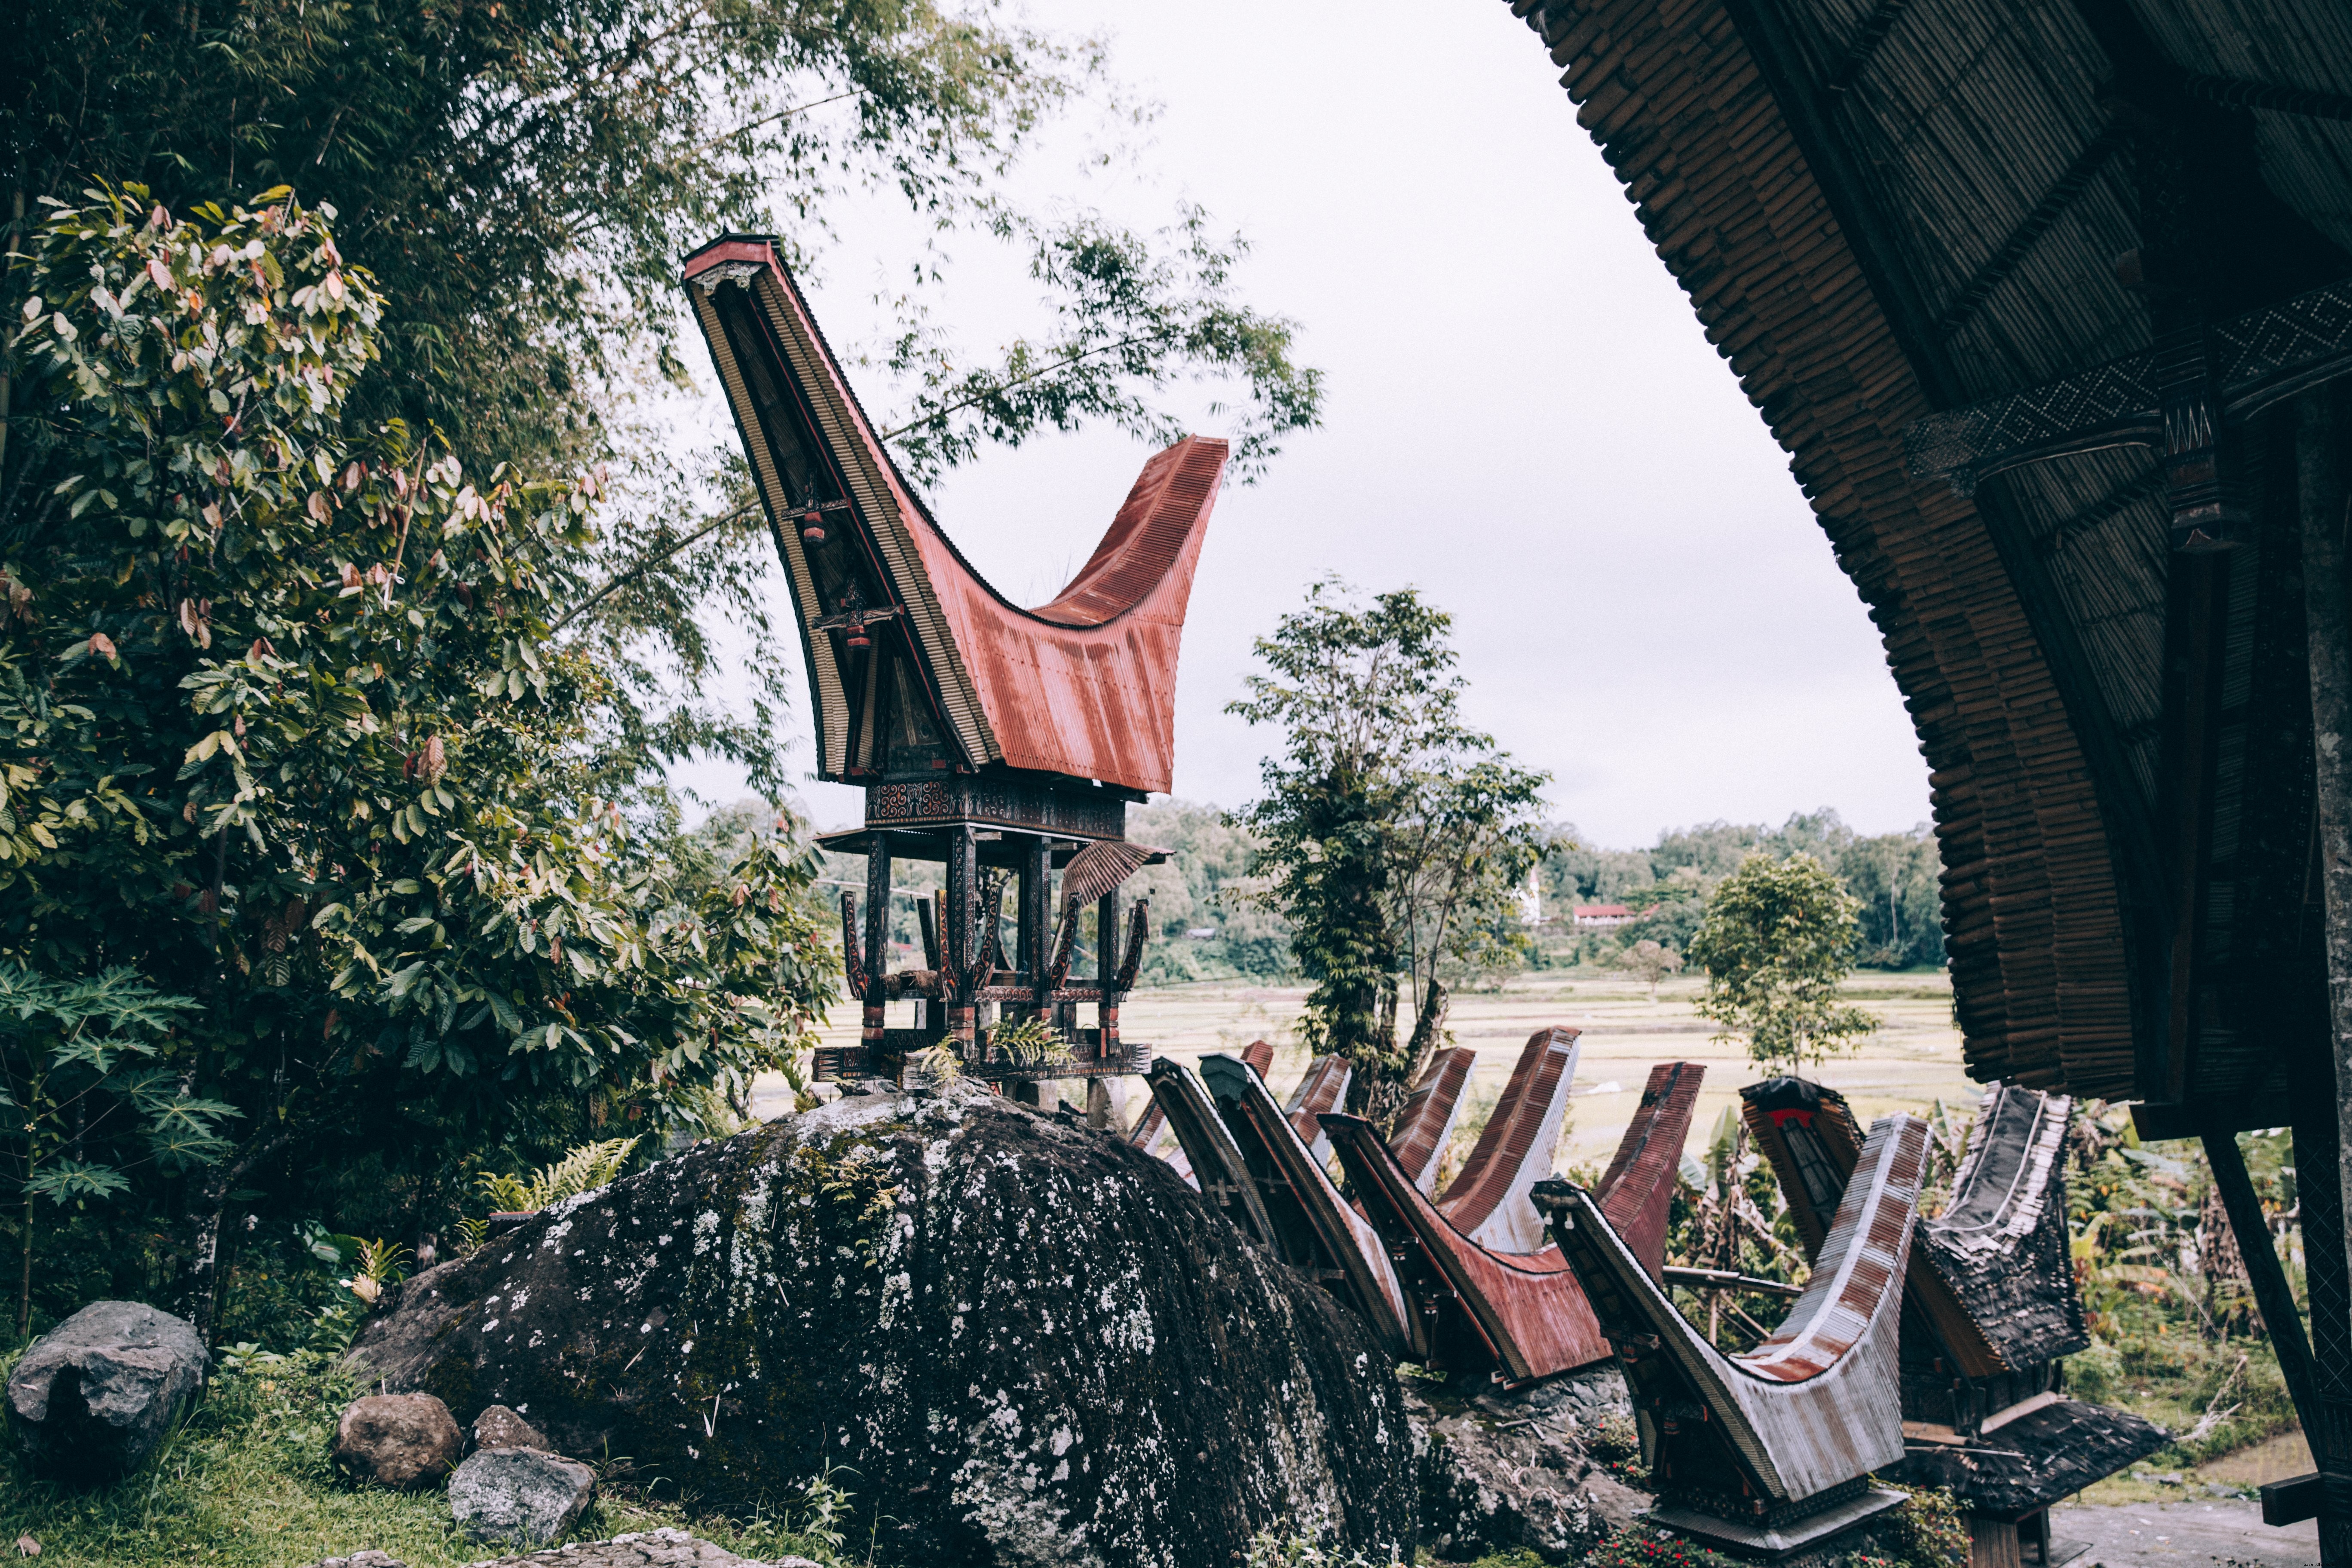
<point>1006,743</point>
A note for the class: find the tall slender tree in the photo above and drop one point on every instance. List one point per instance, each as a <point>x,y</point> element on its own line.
<point>1394,836</point>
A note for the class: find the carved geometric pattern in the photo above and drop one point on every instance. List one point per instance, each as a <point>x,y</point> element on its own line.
<point>998,802</point>
<point>1966,443</point>
<point>2261,345</point>
<point>2285,347</point>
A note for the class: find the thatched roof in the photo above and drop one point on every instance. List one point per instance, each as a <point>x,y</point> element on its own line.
<point>1881,210</point>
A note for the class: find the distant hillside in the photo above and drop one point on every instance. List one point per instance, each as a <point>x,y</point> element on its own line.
<point>1205,928</point>
<point>1894,874</point>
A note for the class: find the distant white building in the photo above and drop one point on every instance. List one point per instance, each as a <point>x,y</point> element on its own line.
<point>1201,933</point>
<point>1530,897</point>
<point>1602,917</point>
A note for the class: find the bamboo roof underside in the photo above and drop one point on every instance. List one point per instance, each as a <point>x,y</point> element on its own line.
<point>1880,210</point>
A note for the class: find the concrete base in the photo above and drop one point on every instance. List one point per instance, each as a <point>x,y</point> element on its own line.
<point>1772,1543</point>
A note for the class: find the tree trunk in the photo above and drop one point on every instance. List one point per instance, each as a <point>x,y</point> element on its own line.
<point>197,1292</point>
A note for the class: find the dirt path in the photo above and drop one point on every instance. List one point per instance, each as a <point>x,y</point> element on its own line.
<point>2221,1533</point>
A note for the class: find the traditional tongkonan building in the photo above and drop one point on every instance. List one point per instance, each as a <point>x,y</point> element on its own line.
<point>1004,743</point>
<point>1991,1309</point>
<point>2051,304</point>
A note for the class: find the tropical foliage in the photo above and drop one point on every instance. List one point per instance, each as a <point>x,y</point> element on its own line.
<point>289,739</point>
<point>1894,876</point>
<point>1391,835</point>
<point>1777,940</point>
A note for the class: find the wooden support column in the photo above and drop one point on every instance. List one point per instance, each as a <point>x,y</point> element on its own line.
<point>2195,614</point>
<point>1107,936</point>
<point>961,939</point>
<point>1037,915</point>
<point>877,940</point>
<point>2281,1320</point>
<point>2320,492</point>
<point>1106,967</point>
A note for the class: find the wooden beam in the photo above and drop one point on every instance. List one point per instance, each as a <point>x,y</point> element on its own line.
<point>1037,912</point>
<point>2012,251</point>
<point>1866,39</point>
<point>961,937</point>
<point>2234,92</point>
<point>2195,614</point>
<point>878,936</point>
<point>2320,498</point>
<point>2281,1317</point>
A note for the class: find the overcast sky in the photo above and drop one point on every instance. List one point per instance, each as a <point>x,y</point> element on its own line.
<point>1524,421</point>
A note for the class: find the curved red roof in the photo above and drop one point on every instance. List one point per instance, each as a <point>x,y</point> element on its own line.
<point>1083,686</point>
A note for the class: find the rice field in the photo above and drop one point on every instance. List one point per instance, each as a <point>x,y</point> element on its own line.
<point>1912,1060</point>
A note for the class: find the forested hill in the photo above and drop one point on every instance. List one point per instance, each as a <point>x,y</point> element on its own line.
<point>1206,927</point>
<point>1894,874</point>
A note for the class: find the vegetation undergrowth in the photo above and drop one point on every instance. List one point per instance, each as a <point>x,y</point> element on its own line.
<point>244,1482</point>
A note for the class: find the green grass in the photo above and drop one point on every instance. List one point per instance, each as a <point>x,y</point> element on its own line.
<point>244,1482</point>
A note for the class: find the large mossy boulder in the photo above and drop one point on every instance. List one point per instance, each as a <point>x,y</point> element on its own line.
<point>1015,1341</point>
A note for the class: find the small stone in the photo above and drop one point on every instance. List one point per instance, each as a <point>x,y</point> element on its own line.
<point>499,1427</point>
<point>399,1440</point>
<point>28,1547</point>
<point>94,1397</point>
<point>520,1497</point>
<point>368,1559</point>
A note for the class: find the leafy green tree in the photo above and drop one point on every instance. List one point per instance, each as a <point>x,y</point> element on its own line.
<point>1649,962</point>
<point>76,1055</point>
<point>1777,940</point>
<point>1205,883</point>
<point>286,734</point>
<point>520,179</point>
<point>1393,836</point>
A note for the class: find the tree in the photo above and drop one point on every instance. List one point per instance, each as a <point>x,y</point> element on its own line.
<point>1649,962</point>
<point>519,180</point>
<point>1777,940</point>
<point>74,1057</point>
<point>283,730</point>
<point>1394,838</point>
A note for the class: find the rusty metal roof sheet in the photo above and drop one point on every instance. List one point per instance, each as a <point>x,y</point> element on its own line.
<point>1083,686</point>
<point>1487,1202</point>
<point>1815,1406</point>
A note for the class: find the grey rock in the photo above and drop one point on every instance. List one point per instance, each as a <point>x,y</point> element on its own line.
<point>520,1497</point>
<point>1017,1342</point>
<point>650,1549</point>
<point>398,1440</point>
<point>94,1397</point>
<point>369,1559</point>
<point>499,1427</point>
<point>1501,1471</point>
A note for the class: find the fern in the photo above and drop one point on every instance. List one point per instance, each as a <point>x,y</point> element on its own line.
<point>1027,1042</point>
<point>582,1170</point>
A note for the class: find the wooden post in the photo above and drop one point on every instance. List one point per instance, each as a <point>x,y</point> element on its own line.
<point>2319,490</point>
<point>1106,971</point>
<point>961,939</point>
<point>1992,1543</point>
<point>1037,915</point>
<point>2281,1320</point>
<point>877,942</point>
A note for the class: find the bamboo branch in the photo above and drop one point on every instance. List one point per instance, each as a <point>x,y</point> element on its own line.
<point>647,564</point>
<point>939,414</point>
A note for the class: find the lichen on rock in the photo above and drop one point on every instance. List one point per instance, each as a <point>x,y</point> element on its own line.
<point>1013,1340</point>
<point>1504,1471</point>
